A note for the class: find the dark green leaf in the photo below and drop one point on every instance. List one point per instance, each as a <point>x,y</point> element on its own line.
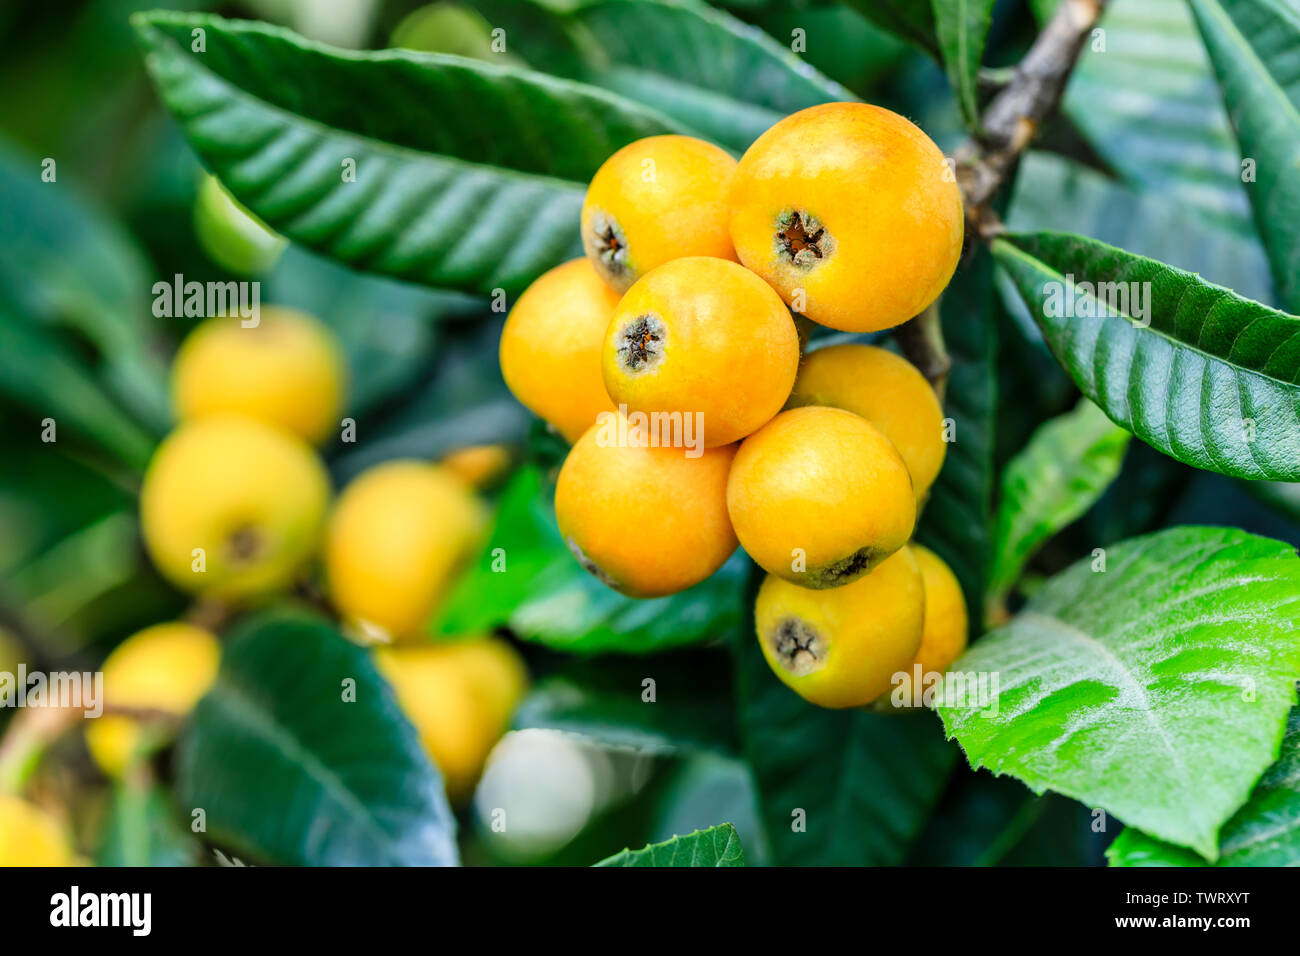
<point>1066,466</point>
<point>1265,832</point>
<point>1213,380</point>
<point>607,700</point>
<point>462,401</point>
<point>70,271</point>
<point>716,846</point>
<point>962,27</point>
<point>910,20</point>
<point>985,820</point>
<point>701,66</point>
<point>1144,95</point>
<point>439,196</point>
<point>289,770</point>
<point>957,520</point>
<point>1156,690</point>
<point>1252,46</point>
<point>544,595</point>
<point>40,375</point>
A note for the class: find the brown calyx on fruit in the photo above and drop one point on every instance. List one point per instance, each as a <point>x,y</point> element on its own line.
<point>640,343</point>
<point>798,647</point>
<point>244,544</point>
<point>609,245</point>
<point>802,239</point>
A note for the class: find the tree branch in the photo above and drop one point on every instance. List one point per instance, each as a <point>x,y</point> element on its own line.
<point>1016,114</point>
<point>985,161</point>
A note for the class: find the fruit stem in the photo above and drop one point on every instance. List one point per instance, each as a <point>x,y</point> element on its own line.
<point>1017,112</point>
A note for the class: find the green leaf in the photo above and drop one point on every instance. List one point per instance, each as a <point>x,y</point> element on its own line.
<point>962,27</point>
<point>958,517</point>
<point>605,699</point>
<point>1157,690</point>
<point>703,67</point>
<point>1066,466</point>
<point>1052,193</point>
<point>440,196</point>
<point>985,820</point>
<point>1149,105</point>
<point>821,773</point>
<point>544,595</point>
<point>38,373</point>
<point>1252,46</point>
<point>910,20</point>
<point>1265,832</point>
<point>290,769</point>
<point>79,279</point>
<point>716,846</point>
<point>1213,381</point>
<point>142,830</point>
<point>461,401</point>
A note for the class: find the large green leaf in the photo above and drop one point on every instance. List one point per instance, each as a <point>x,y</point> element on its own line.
<point>835,787</point>
<point>962,27</point>
<point>440,195</point>
<point>1252,46</point>
<point>544,595</point>
<point>1213,380</point>
<point>1149,105</point>
<point>957,520</point>
<point>910,20</point>
<point>77,276</point>
<point>607,700</point>
<point>290,768</point>
<point>1052,193</point>
<point>1265,832</point>
<point>40,374</point>
<point>716,846</point>
<point>1156,690</point>
<point>1066,466</point>
<point>701,66</point>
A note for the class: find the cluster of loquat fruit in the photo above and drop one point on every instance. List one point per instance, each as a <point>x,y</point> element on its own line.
<point>815,464</point>
<point>236,508</point>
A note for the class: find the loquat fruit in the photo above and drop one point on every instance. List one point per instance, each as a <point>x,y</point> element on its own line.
<point>550,347</point>
<point>647,521</point>
<point>851,212</point>
<point>164,668</point>
<point>944,636</point>
<point>287,371</point>
<point>819,496</point>
<point>29,836</point>
<point>886,390</point>
<point>398,536</point>
<point>231,508</point>
<point>659,198</point>
<point>459,697</point>
<point>704,338</point>
<point>842,648</point>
